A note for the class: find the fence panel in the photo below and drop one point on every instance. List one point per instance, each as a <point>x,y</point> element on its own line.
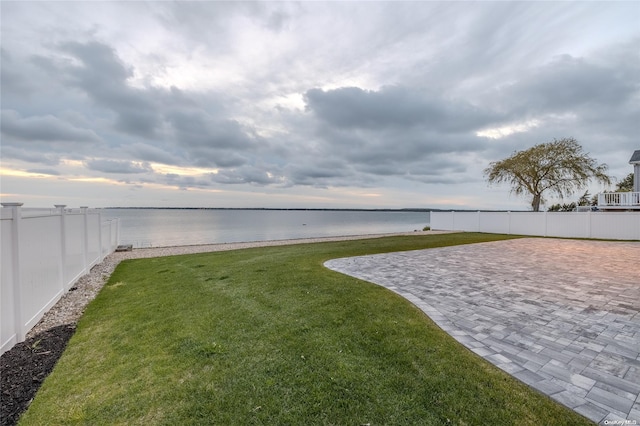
<point>466,221</point>
<point>616,225</point>
<point>568,224</point>
<point>40,266</point>
<point>527,223</point>
<point>109,228</point>
<point>602,225</point>
<point>442,220</point>
<point>94,249</point>
<point>495,222</point>
<point>74,266</point>
<point>44,252</point>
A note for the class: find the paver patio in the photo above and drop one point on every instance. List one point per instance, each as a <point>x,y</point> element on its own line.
<point>563,316</point>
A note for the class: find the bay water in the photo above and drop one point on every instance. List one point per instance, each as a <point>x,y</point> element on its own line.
<point>172,227</point>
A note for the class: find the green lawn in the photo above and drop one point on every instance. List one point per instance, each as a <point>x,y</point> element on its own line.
<point>269,336</point>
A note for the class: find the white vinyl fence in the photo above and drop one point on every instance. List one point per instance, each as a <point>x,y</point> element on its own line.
<point>44,252</point>
<point>601,225</point>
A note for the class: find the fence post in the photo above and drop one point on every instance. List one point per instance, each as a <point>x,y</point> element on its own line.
<point>478,230</point>
<point>16,219</point>
<point>589,223</point>
<point>509,221</point>
<point>545,223</point>
<point>63,244</point>
<point>85,250</point>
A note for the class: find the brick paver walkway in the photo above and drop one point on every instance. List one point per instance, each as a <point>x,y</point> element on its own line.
<point>563,316</point>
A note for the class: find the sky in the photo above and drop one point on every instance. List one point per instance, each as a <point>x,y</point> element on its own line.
<point>306,104</point>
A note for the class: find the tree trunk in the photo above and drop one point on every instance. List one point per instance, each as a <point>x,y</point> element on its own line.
<point>535,204</point>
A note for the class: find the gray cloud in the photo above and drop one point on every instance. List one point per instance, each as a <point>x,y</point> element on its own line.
<point>170,126</point>
<point>148,152</point>
<point>185,182</point>
<point>196,128</point>
<point>12,79</point>
<point>50,172</point>
<point>320,172</point>
<point>28,155</point>
<point>103,77</point>
<point>255,95</point>
<point>394,130</point>
<point>398,107</point>
<point>391,132</point>
<point>46,128</point>
<point>570,84</point>
<point>117,166</point>
<point>246,174</point>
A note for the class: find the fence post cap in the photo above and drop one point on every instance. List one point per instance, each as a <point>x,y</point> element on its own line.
<point>12,204</point>
<point>60,206</point>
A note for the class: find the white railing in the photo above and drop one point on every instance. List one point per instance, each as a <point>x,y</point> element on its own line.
<point>44,252</point>
<point>619,200</point>
<point>601,225</point>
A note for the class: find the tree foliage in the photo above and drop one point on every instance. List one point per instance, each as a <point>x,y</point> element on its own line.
<point>585,200</point>
<point>560,167</point>
<point>563,207</point>
<point>626,184</point>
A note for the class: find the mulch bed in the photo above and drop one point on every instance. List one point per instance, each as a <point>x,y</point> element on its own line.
<point>24,367</point>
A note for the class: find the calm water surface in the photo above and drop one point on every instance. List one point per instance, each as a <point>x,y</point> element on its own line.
<point>160,227</point>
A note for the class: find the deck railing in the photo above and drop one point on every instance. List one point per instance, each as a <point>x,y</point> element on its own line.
<point>619,200</point>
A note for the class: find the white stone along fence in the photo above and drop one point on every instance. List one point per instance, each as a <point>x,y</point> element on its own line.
<point>44,252</point>
<point>600,225</point>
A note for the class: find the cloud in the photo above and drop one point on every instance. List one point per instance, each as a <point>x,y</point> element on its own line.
<point>321,172</point>
<point>13,81</point>
<point>28,155</point>
<point>257,174</point>
<point>304,97</point>
<point>393,106</point>
<point>103,76</point>
<point>148,152</point>
<point>570,84</point>
<point>196,128</point>
<point>48,128</point>
<point>160,119</point>
<point>50,172</point>
<point>391,132</point>
<point>185,182</point>
<point>117,166</point>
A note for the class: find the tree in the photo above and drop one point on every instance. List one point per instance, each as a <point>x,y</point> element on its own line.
<point>626,184</point>
<point>560,167</point>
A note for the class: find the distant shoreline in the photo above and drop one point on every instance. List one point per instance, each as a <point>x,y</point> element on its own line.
<point>409,209</point>
<point>272,209</point>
